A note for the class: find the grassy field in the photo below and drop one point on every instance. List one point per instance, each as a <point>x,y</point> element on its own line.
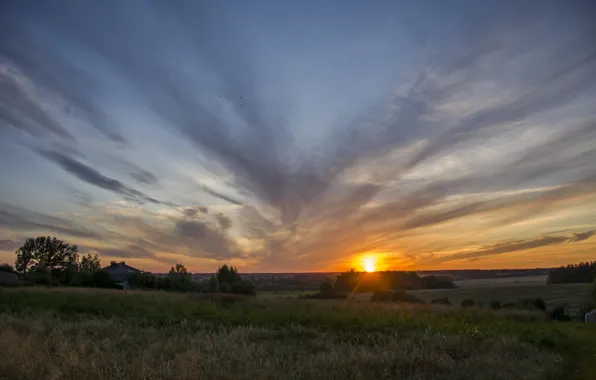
<point>575,296</point>
<point>101,334</point>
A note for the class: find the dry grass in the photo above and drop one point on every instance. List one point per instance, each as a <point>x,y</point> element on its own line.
<point>46,347</point>
<point>99,334</point>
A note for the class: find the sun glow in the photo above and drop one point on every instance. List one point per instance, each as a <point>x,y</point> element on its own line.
<point>369,264</point>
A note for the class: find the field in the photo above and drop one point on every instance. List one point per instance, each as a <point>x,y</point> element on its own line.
<point>515,289</point>
<point>103,334</point>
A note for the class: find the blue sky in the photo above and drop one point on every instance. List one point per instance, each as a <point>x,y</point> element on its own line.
<point>300,136</point>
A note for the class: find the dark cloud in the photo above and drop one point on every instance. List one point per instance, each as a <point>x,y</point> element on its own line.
<point>144,177</point>
<point>224,197</point>
<point>204,240</point>
<point>581,236</point>
<point>223,221</point>
<point>91,176</point>
<point>514,246</point>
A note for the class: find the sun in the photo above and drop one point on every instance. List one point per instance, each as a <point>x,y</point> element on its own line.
<point>369,264</point>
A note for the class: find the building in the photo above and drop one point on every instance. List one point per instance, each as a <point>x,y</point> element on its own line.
<point>119,273</point>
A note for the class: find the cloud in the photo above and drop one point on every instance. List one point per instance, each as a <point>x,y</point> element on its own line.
<point>87,174</point>
<point>514,246</point>
<point>507,109</point>
<point>203,240</point>
<point>20,219</point>
<point>130,252</point>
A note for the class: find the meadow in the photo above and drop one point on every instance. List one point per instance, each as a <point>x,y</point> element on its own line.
<point>109,334</point>
<point>575,296</point>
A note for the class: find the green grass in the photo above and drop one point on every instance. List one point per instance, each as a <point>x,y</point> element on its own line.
<point>76,333</point>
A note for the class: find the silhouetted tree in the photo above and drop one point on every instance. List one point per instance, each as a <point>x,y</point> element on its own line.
<point>178,269</point>
<point>582,272</point>
<point>347,282</point>
<point>178,279</point>
<point>227,275</point>
<point>327,287</point>
<point>142,280</point>
<point>49,253</point>
<point>90,263</point>
<point>213,285</point>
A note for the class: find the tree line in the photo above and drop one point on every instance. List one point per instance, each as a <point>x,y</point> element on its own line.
<point>226,280</point>
<point>582,272</point>
<point>353,281</point>
<point>48,260</point>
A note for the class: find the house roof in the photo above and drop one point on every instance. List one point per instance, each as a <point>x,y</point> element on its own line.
<point>119,272</point>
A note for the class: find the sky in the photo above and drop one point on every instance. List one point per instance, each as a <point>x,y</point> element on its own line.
<point>297,136</point>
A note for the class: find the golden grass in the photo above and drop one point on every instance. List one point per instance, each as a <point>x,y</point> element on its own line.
<point>46,347</point>
<point>107,334</point>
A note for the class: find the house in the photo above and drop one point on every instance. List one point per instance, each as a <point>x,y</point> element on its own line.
<point>119,272</point>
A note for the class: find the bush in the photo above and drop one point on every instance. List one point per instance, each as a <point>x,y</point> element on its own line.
<point>441,301</point>
<point>495,304</point>
<point>246,288</point>
<point>327,287</point>
<point>468,303</point>
<point>395,296</point>
<point>558,314</point>
<point>142,280</point>
<point>537,303</point>
<point>9,279</point>
<point>7,268</point>
<point>39,276</point>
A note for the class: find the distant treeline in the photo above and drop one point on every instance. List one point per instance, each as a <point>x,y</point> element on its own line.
<point>353,281</point>
<point>582,272</point>
<point>480,274</point>
<point>225,280</point>
<point>363,282</point>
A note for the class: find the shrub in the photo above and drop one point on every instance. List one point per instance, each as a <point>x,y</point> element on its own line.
<point>468,303</point>
<point>8,279</point>
<point>558,314</point>
<point>495,304</point>
<point>327,287</point>
<point>441,301</point>
<point>537,303</point>
<point>7,268</point>
<point>394,296</point>
<point>245,287</point>
<point>39,276</point>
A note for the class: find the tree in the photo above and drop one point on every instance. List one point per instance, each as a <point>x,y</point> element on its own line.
<point>213,285</point>
<point>179,269</point>
<point>347,282</point>
<point>326,287</point>
<point>50,253</point>
<point>227,275</point>
<point>90,263</point>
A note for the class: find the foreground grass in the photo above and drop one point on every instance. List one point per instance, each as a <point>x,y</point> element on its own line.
<point>67,334</point>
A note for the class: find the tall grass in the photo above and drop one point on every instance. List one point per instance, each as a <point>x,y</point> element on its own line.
<point>68,334</point>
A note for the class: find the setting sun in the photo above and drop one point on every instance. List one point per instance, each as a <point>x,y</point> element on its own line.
<point>369,264</point>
